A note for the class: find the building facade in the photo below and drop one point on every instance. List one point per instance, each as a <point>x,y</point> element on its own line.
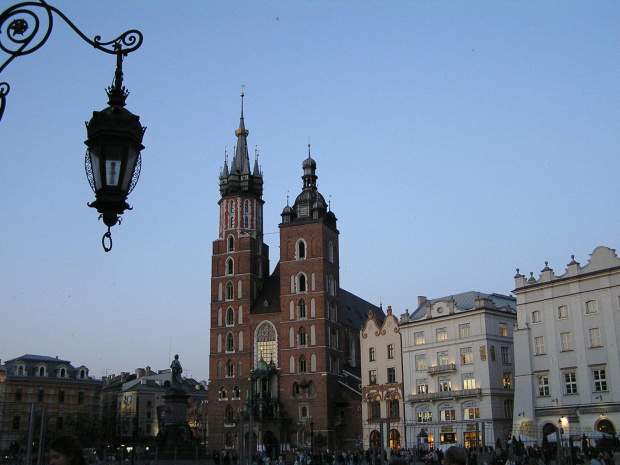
<point>566,348</point>
<point>459,370</point>
<point>382,383</point>
<point>52,389</point>
<point>284,346</point>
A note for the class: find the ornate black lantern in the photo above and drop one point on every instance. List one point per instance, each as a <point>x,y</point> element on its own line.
<point>113,159</point>
<point>114,134</point>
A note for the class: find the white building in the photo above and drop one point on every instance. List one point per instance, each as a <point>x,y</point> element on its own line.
<point>566,349</point>
<point>382,382</point>
<point>458,369</point>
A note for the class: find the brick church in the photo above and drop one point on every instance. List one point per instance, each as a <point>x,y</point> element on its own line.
<point>284,356</point>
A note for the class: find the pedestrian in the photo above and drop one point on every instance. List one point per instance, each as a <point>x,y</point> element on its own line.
<point>66,450</point>
<point>455,456</point>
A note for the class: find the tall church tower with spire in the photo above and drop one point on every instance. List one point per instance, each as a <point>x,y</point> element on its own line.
<point>239,267</point>
<point>284,356</point>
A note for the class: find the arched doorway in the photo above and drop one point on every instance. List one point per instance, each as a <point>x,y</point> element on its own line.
<point>394,440</point>
<point>605,426</point>
<point>272,448</point>
<point>375,439</point>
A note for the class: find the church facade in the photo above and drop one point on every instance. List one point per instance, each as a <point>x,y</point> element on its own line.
<point>284,357</point>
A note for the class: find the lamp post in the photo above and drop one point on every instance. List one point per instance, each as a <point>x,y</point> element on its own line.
<point>114,140</point>
<point>312,441</point>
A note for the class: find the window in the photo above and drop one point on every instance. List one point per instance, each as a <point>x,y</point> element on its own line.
<point>304,411</point>
<point>566,341</point>
<point>442,358</point>
<point>40,395</point>
<point>302,337</point>
<point>595,337</point>
<point>393,408</point>
<point>539,345</point>
<point>301,283</point>
<point>505,354</point>
<point>591,307</point>
<point>371,354</point>
<point>374,410</point>
<point>229,415</point>
<point>536,316</point>
<point>418,338</point>
<point>302,364</point>
<point>447,414</point>
<point>445,385</point>
<point>372,377</point>
<point>230,370</point>
<point>425,417</point>
<point>302,309</point>
<point>230,266</point>
<point>508,408</point>
<point>563,312</point>
<point>266,343</point>
<point>330,252</point>
<point>442,334</point>
<point>63,373</point>
<point>391,375</point>
<point>41,371</point>
<point>80,398</point>
<point>420,362</point>
<point>503,329</point>
<point>230,291</point>
<point>600,380</point>
<point>543,386</point>
<point>61,397</point>
<point>390,351</point>
<point>19,393</point>
<point>230,317</point>
<point>469,382</point>
<point>230,343</point>
<point>231,244</point>
<point>507,379</point>
<point>422,386</point>
<point>570,382</point>
<point>464,330</point>
<point>301,250</point>
<point>467,356</point>
<point>222,394</point>
<point>471,413</point>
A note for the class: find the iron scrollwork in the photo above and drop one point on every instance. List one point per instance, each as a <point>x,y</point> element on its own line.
<point>23,31</point>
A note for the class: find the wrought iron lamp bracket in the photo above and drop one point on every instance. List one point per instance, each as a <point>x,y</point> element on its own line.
<point>21,34</point>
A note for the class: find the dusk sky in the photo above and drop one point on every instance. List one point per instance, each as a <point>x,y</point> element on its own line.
<point>456,140</point>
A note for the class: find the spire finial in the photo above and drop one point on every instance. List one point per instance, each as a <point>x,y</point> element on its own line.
<point>287,192</point>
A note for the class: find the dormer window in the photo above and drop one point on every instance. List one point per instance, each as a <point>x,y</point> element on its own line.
<point>63,373</point>
<point>20,370</point>
<point>41,371</point>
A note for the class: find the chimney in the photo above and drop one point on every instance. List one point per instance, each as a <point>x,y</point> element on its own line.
<point>421,300</point>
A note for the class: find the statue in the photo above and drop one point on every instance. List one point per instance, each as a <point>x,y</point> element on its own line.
<point>177,380</point>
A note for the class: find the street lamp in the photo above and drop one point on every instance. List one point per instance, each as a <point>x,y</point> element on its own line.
<point>114,140</point>
<point>312,441</point>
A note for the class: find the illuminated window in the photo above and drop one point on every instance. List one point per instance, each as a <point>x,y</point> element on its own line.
<point>420,362</point>
<point>503,329</point>
<point>447,414</point>
<point>467,356</point>
<point>419,338</point>
<point>442,334</point>
<point>469,382</point>
<point>464,330</point>
<point>425,417</point>
<point>422,386</point>
<point>471,413</point>
<point>266,343</point>
<point>445,385</point>
<point>507,380</point>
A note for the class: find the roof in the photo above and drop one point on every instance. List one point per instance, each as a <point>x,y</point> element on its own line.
<point>466,301</point>
<point>38,358</point>
<point>354,310</point>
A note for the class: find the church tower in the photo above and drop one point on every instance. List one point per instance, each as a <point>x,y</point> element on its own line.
<point>240,265</point>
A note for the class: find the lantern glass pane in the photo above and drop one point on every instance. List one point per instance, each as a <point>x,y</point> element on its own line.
<point>96,169</point>
<point>112,172</point>
<point>130,166</point>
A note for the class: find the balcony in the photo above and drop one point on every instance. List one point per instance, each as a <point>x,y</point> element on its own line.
<point>433,396</point>
<point>449,368</point>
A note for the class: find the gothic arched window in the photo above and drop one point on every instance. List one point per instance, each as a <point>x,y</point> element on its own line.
<point>301,249</point>
<point>302,309</point>
<point>230,317</point>
<point>266,344</point>
<point>230,291</point>
<point>230,266</point>
<point>302,364</point>
<point>231,244</point>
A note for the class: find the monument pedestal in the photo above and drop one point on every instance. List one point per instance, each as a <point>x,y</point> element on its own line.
<point>175,439</point>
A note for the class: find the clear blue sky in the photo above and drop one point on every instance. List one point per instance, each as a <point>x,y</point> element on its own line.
<point>457,140</point>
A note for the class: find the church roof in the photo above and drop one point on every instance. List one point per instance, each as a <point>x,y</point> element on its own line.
<point>268,301</point>
<point>354,310</point>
